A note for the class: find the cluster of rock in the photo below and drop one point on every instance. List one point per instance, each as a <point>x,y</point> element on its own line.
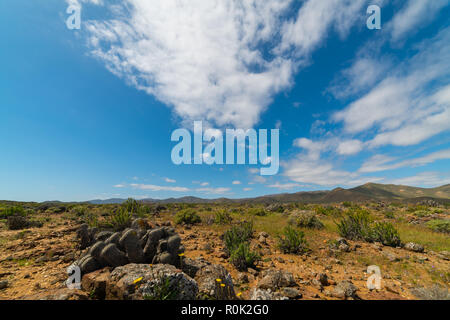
<point>138,244</point>
<point>195,279</point>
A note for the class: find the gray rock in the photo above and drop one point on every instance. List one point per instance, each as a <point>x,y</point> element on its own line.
<point>156,282</point>
<point>208,285</point>
<point>4,284</point>
<point>192,266</point>
<point>113,256</point>
<point>344,289</point>
<point>266,294</point>
<point>415,247</point>
<point>274,279</point>
<point>173,244</point>
<point>291,293</point>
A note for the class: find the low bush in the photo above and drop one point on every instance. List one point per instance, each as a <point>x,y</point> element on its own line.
<point>12,211</point>
<point>359,226</point>
<point>292,241</point>
<point>187,216</point>
<point>385,233</point>
<point>439,225</point>
<point>222,217</point>
<point>120,219</point>
<point>237,235</point>
<point>309,220</point>
<point>355,226</point>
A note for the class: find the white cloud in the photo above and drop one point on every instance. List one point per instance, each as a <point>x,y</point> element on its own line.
<point>119,186</point>
<point>152,187</point>
<point>285,186</point>
<point>383,163</point>
<point>247,189</point>
<point>213,190</point>
<point>168,180</point>
<point>220,61</point>
<point>349,147</point>
<point>414,15</point>
<point>429,179</point>
<point>236,182</point>
<point>402,108</point>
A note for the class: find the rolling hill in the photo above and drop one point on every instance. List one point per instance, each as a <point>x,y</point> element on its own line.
<point>366,192</point>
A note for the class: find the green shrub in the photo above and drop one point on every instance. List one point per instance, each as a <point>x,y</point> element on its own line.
<point>120,219</point>
<point>359,226</point>
<point>439,225</point>
<point>385,233</point>
<point>242,257</point>
<point>237,235</point>
<point>292,241</point>
<point>309,220</point>
<point>389,214</point>
<point>187,216</point>
<point>79,211</point>
<point>422,213</point>
<point>259,212</point>
<point>355,226</point>
<point>12,211</point>
<point>223,217</point>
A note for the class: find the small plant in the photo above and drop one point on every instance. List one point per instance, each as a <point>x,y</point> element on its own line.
<point>309,220</point>
<point>223,217</point>
<point>242,257</point>
<point>162,290</point>
<point>79,211</point>
<point>120,219</point>
<point>385,233</point>
<point>389,214</point>
<point>355,226</point>
<point>422,213</point>
<point>259,212</point>
<point>439,225</point>
<point>91,220</point>
<point>237,235</point>
<point>292,241</point>
<point>187,216</point>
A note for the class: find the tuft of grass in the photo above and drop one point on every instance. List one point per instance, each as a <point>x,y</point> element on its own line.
<point>385,233</point>
<point>237,235</point>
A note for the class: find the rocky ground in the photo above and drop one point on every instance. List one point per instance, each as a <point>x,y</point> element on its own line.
<point>33,264</point>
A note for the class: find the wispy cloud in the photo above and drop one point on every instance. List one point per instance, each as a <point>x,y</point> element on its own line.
<point>222,61</point>
<point>168,180</point>
<point>213,190</point>
<point>119,186</point>
<point>152,187</point>
<point>285,186</point>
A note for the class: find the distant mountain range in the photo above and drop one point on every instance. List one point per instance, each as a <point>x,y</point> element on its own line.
<point>367,192</point>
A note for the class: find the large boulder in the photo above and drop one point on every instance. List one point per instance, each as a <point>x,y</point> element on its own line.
<point>113,256</point>
<point>153,282</point>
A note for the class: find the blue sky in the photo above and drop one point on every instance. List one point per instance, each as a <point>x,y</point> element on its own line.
<point>88,113</point>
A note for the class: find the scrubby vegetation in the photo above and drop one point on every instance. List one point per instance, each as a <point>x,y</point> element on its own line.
<point>292,241</point>
<point>238,248</point>
<point>308,220</point>
<point>359,226</point>
<point>187,216</point>
<point>439,225</point>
